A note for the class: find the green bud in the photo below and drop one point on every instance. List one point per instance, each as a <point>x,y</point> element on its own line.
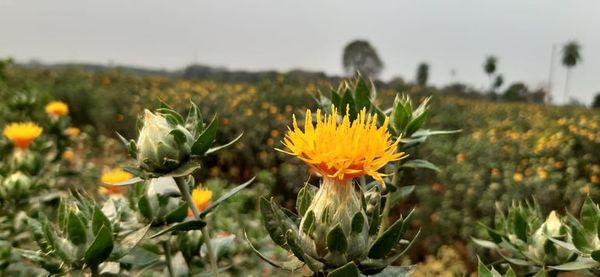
<point>334,228</point>
<point>162,145</point>
<point>17,184</point>
<point>543,249</point>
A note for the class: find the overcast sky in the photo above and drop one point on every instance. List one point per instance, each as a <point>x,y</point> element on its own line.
<point>310,34</point>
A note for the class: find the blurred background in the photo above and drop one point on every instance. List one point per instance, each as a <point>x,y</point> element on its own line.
<point>519,78</point>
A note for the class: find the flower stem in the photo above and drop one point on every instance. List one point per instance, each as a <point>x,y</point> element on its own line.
<point>167,251</point>
<point>385,221</point>
<point>185,192</point>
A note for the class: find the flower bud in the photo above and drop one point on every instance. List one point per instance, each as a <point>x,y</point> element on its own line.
<point>162,146</point>
<point>17,184</point>
<point>542,248</point>
<point>334,229</point>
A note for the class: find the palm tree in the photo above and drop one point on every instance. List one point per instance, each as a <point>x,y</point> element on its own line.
<point>489,67</point>
<point>570,58</point>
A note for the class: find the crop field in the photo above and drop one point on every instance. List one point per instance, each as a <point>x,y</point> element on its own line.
<point>111,173</point>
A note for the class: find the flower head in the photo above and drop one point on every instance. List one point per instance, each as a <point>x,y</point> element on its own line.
<point>22,134</point>
<point>112,177</point>
<point>201,197</point>
<point>72,132</point>
<point>57,108</point>
<point>159,150</point>
<point>345,150</point>
<point>115,176</point>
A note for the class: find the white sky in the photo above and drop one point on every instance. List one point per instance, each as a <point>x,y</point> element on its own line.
<point>310,34</point>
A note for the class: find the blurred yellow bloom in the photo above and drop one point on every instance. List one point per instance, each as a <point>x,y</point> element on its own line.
<point>68,155</point>
<point>115,176</point>
<point>72,132</point>
<point>518,177</point>
<point>346,150</point>
<point>201,197</point>
<point>57,108</point>
<point>22,134</point>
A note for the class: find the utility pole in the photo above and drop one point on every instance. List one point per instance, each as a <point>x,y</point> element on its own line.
<point>551,73</point>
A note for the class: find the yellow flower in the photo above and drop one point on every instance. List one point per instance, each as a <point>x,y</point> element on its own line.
<point>111,177</point>
<point>115,176</point>
<point>22,134</point>
<point>201,197</point>
<point>518,177</point>
<point>57,108</point>
<point>68,155</point>
<point>346,150</point>
<point>72,132</point>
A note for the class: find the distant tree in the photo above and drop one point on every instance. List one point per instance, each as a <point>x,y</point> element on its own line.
<point>360,56</point>
<point>596,102</point>
<point>498,82</point>
<point>570,58</point>
<point>422,74</point>
<point>516,92</point>
<point>490,65</point>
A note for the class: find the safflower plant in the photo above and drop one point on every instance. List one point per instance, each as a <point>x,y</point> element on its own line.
<point>558,244</point>
<point>169,147</point>
<point>336,231</point>
<point>406,123</point>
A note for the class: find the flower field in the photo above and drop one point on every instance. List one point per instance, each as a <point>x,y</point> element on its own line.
<point>68,205</point>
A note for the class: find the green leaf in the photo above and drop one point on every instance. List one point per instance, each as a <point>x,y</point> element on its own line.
<point>384,244</point>
<point>206,138</point>
<point>580,264</point>
<point>304,199</point>
<point>590,215</point>
<point>139,256</point>
<point>309,223</point>
<point>224,197</point>
<point>292,241</point>
<point>129,242</point>
<point>482,270</point>
<point>215,149</point>
<point>348,270</point>
<point>519,225</point>
<point>76,231</point>
<point>145,207</point>
<point>400,115</point>
<point>100,248</point>
<point>336,239</point>
<point>291,266</point>
<point>99,220</point>
<point>179,136</point>
<point>178,119</point>
<point>272,224</point>
<point>178,214</point>
<point>510,272</point>
<point>374,219</point>
<point>484,243</point>
<point>418,163</point>
<point>362,95</point>
<point>184,170</point>
<point>358,222</point>
<point>194,121</point>
<point>190,224</point>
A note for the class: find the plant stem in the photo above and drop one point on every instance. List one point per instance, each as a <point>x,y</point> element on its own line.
<point>94,269</point>
<point>388,206</point>
<point>167,250</point>
<point>185,192</point>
